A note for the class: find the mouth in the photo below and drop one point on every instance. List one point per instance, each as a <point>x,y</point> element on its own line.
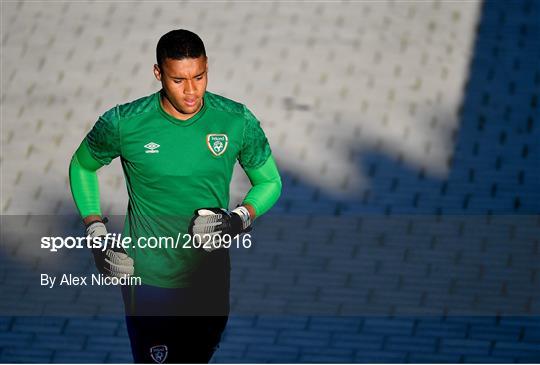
<point>190,102</point>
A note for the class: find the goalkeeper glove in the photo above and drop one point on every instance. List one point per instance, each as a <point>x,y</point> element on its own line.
<point>113,261</point>
<point>216,222</point>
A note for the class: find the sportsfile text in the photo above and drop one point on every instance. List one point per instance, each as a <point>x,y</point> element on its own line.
<point>113,240</point>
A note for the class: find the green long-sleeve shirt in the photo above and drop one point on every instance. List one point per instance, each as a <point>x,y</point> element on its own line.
<point>171,168</point>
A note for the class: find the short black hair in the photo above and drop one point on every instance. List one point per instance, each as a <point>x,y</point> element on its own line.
<point>179,44</point>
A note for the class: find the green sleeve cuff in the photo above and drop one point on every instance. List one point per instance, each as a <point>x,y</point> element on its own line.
<point>266,186</point>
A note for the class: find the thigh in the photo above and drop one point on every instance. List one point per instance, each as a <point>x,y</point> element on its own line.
<point>208,294</point>
<point>180,325</point>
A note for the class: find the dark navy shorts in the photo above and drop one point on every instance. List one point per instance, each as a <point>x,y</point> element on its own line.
<point>180,325</point>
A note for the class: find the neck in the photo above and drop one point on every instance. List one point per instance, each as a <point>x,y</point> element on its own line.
<point>171,109</point>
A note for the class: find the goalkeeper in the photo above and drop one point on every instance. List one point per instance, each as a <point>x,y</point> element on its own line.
<point>177,148</point>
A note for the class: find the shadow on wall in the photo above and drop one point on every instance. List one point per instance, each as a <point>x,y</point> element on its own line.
<point>494,177</point>
<point>495,168</point>
<point>465,245</point>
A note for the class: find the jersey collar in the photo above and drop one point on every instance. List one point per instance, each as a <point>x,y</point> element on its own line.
<point>180,122</point>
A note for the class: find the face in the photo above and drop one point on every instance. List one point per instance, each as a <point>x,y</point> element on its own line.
<point>184,83</point>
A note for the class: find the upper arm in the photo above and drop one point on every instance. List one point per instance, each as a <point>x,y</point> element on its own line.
<point>255,147</point>
<point>84,158</point>
<point>103,141</point>
<point>267,172</point>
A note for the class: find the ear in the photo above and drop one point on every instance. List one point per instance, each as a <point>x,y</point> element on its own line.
<point>157,72</point>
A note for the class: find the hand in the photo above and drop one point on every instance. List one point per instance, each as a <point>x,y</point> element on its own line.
<point>217,222</point>
<point>113,261</point>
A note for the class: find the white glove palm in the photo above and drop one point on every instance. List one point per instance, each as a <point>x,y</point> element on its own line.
<point>114,261</point>
<point>216,222</point>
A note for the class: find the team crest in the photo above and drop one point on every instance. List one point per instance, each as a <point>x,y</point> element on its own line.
<point>159,353</point>
<point>217,143</point>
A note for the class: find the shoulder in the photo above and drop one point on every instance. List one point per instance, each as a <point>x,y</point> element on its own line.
<point>223,104</point>
<point>137,107</point>
<point>130,110</point>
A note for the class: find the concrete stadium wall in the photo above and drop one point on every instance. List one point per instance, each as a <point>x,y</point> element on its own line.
<point>407,136</point>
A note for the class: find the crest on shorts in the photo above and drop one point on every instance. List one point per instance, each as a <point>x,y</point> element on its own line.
<point>159,353</point>
<point>217,143</point>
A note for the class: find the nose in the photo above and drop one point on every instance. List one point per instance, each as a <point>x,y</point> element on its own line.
<point>190,87</point>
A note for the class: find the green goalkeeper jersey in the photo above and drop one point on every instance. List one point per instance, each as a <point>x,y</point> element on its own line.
<point>171,168</point>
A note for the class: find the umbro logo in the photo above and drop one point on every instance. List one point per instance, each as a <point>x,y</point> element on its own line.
<point>152,147</point>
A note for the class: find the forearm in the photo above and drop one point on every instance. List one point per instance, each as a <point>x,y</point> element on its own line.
<point>84,184</point>
<point>265,190</point>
